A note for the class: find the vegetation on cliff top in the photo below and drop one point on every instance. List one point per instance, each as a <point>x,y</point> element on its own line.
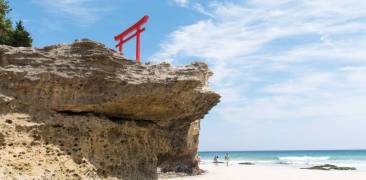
<point>17,37</point>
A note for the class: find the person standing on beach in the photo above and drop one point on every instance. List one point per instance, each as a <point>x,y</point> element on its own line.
<point>227,159</point>
<point>216,159</point>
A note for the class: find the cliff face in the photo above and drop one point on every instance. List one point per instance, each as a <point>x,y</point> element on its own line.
<point>84,111</point>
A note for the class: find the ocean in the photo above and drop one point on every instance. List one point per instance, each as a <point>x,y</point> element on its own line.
<point>352,158</point>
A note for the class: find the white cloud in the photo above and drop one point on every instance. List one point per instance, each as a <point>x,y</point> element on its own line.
<point>81,11</point>
<point>194,5</point>
<point>201,9</point>
<point>182,3</point>
<point>280,59</point>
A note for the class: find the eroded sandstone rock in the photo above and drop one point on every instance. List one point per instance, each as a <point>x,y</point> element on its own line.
<point>113,117</point>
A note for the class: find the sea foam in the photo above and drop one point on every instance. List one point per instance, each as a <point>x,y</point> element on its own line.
<point>302,159</point>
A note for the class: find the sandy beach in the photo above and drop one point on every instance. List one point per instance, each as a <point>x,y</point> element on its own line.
<point>264,172</point>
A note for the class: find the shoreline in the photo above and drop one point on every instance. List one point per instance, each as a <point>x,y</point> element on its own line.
<point>267,172</point>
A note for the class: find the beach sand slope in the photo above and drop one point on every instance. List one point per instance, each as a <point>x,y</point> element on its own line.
<point>262,172</point>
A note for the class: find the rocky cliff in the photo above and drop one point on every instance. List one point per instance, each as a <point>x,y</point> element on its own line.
<point>83,111</point>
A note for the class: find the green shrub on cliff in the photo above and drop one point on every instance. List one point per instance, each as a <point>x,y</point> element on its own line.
<point>21,38</point>
<point>5,23</point>
<point>17,37</point>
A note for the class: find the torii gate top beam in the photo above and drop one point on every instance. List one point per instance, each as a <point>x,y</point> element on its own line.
<point>141,22</point>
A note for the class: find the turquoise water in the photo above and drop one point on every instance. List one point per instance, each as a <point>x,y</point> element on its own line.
<point>354,158</point>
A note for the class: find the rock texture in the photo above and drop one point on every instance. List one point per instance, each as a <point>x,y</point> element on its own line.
<point>83,111</point>
<point>328,167</point>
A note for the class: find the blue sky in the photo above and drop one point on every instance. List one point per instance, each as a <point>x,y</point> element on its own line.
<point>291,72</point>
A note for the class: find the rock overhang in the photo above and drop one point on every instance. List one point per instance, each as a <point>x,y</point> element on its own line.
<point>86,79</point>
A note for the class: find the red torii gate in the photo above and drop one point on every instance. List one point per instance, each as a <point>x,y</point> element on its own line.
<point>135,28</point>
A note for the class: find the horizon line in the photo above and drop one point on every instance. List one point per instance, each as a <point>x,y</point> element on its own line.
<point>282,150</point>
